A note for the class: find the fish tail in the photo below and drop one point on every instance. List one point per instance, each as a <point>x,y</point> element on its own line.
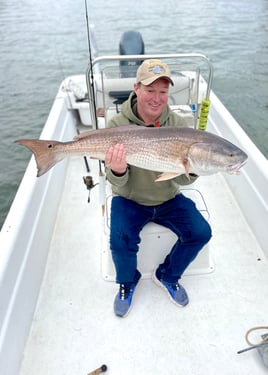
<point>45,153</point>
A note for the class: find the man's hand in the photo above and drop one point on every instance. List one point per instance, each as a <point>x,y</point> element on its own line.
<point>115,159</point>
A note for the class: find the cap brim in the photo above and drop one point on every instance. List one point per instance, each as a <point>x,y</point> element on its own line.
<point>150,80</point>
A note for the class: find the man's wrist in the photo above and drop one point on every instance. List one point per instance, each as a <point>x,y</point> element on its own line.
<point>117,174</point>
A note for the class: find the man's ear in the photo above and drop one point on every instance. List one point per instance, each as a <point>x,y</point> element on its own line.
<point>136,87</point>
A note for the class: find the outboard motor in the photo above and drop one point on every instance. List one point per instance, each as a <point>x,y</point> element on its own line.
<point>131,43</point>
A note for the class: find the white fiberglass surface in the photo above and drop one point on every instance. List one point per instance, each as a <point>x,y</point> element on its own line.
<point>75,331</point>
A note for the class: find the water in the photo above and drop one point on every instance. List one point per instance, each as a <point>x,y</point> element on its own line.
<point>41,42</point>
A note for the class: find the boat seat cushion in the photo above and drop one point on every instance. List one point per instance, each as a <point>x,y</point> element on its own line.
<point>109,89</point>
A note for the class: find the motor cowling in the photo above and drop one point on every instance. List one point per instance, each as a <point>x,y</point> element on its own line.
<point>131,43</point>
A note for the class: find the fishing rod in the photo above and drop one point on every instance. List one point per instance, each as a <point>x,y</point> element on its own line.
<point>90,77</point>
<point>71,86</point>
<point>93,111</point>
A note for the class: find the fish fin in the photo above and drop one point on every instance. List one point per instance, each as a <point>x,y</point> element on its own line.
<point>96,158</point>
<point>186,165</point>
<point>118,128</point>
<point>84,134</point>
<point>167,176</point>
<point>44,152</point>
<point>127,127</point>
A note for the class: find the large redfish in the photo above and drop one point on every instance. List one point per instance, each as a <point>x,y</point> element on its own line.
<point>170,150</point>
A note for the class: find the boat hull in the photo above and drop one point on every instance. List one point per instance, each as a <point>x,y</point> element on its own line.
<point>38,234</point>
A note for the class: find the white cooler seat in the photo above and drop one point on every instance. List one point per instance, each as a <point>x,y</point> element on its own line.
<point>156,242</point>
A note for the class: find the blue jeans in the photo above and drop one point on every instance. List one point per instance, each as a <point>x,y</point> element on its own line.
<point>178,214</point>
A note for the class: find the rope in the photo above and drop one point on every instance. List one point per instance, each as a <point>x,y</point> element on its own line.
<point>263,341</point>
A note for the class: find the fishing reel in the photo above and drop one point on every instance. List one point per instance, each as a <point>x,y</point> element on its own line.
<point>88,181</point>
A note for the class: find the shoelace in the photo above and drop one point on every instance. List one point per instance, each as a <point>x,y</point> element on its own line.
<point>176,286</point>
<point>124,291</point>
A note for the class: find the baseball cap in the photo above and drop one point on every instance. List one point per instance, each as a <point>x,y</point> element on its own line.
<point>151,70</point>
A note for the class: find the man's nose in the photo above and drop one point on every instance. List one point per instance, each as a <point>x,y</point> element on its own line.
<point>156,96</point>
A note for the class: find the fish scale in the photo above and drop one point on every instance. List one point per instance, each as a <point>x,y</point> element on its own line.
<point>170,150</point>
<point>151,154</point>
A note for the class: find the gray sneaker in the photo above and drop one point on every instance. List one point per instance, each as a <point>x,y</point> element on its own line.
<point>123,299</point>
<point>176,292</point>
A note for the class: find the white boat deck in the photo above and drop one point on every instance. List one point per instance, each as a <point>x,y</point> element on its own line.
<point>75,331</point>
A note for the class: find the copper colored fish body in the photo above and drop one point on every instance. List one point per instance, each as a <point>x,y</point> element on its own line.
<point>171,151</point>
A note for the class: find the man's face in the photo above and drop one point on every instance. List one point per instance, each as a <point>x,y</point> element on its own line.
<point>152,99</point>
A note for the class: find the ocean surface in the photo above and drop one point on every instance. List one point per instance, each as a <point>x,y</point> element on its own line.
<point>43,41</point>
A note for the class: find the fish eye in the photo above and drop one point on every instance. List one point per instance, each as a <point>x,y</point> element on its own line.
<point>50,145</point>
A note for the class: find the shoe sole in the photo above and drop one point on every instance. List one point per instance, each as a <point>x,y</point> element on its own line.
<point>158,283</point>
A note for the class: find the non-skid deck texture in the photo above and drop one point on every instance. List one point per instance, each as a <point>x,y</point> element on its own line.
<point>75,331</point>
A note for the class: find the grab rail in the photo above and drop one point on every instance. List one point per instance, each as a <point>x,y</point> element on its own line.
<point>179,56</point>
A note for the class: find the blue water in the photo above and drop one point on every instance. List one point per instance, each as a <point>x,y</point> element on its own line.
<point>41,42</point>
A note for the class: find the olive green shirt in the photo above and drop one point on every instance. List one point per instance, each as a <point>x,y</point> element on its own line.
<point>139,184</point>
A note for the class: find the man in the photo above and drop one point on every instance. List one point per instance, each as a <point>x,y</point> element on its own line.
<point>138,199</point>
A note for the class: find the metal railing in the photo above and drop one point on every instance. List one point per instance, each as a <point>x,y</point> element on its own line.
<point>97,62</point>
